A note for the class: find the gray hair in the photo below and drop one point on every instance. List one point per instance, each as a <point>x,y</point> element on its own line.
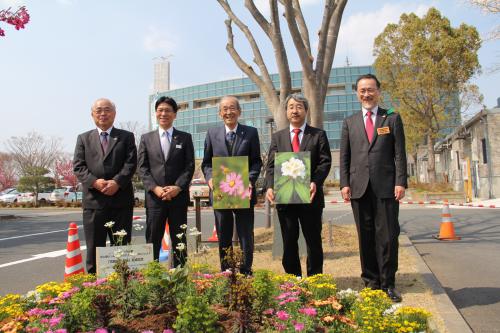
<point>299,98</point>
<point>228,97</point>
<point>103,99</point>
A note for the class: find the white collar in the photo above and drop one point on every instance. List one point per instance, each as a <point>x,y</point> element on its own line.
<point>107,131</point>
<point>235,129</point>
<point>302,128</point>
<point>169,131</point>
<point>374,111</point>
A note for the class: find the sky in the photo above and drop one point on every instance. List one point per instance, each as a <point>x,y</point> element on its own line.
<point>76,51</point>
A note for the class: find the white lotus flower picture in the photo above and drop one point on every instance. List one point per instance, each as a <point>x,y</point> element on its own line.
<point>292,177</point>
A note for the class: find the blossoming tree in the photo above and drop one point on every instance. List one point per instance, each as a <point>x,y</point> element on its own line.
<point>18,18</point>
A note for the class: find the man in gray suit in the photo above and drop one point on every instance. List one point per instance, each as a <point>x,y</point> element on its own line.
<point>373,177</point>
<point>234,139</point>
<point>166,166</point>
<point>104,162</point>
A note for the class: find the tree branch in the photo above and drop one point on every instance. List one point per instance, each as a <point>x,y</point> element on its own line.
<point>305,60</point>
<point>266,77</point>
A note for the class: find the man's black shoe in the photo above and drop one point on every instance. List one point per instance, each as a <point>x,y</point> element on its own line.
<point>393,294</point>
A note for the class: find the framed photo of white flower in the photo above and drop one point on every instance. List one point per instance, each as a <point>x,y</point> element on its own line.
<point>230,182</point>
<point>292,177</point>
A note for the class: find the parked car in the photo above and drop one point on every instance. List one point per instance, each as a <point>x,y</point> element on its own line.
<point>10,195</point>
<point>43,197</point>
<point>139,196</point>
<point>67,194</point>
<point>199,188</point>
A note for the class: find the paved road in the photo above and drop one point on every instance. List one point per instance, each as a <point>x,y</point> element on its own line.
<point>467,269</point>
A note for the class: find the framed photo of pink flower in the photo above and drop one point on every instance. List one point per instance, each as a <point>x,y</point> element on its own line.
<point>231,183</point>
<point>292,177</point>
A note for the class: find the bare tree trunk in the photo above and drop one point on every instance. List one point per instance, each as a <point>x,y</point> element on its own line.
<point>431,163</point>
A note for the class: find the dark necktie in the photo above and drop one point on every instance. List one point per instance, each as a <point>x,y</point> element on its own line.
<point>104,141</point>
<point>295,140</point>
<point>230,136</point>
<point>369,126</point>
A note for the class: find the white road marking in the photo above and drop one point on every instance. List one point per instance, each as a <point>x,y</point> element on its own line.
<point>37,234</point>
<point>53,254</point>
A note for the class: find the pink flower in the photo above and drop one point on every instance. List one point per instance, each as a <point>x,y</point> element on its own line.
<point>288,300</point>
<point>284,295</point>
<point>280,327</point>
<point>147,332</point>
<point>268,312</point>
<point>233,184</point>
<point>54,321</point>
<point>308,311</point>
<point>299,326</point>
<point>101,330</point>
<point>282,315</point>
<point>168,331</point>
<point>61,330</point>
<point>208,276</point>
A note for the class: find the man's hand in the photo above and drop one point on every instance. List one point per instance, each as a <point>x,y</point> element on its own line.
<point>270,195</point>
<point>100,184</point>
<point>346,193</point>
<point>111,188</point>
<point>158,191</point>
<point>171,191</point>
<point>210,184</point>
<point>399,192</point>
<point>312,191</point>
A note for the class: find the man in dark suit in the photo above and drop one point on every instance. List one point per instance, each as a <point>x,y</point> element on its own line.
<point>104,162</point>
<point>234,139</point>
<point>301,137</point>
<point>166,166</point>
<point>373,176</point>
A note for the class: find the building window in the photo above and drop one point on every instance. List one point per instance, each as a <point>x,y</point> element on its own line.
<point>485,152</point>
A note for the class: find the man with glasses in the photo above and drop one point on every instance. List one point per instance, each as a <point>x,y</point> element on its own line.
<point>166,166</point>
<point>234,139</point>
<point>298,137</point>
<point>373,177</point>
<point>104,162</point>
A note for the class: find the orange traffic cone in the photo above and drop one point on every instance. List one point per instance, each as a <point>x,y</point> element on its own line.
<point>166,247</point>
<point>74,263</point>
<point>446,231</point>
<point>214,237</point>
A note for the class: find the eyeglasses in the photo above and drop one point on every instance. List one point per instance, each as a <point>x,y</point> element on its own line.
<point>231,108</point>
<point>103,111</point>
<point>368,91</point>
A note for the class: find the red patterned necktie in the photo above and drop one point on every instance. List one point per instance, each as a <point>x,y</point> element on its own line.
<point>295,140</point>
<point>369,126</point>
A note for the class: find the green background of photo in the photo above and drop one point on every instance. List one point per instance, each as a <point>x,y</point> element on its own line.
<point>238,164</point>
<point>286,189</point>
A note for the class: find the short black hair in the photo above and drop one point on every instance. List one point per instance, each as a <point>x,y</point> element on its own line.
<point>367,76</point>
<point>169,100</point>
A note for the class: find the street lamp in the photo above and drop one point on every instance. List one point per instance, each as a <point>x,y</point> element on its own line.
<point>270,121</point>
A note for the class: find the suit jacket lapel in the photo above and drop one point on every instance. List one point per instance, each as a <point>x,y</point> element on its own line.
<point>359,122</point>
<point>220,139</point>
<point>96,143</point>
<point>287,140</point>
<point>305,138</point>
<point>240,133</point>
<point>113,138</point>
<point>379,121</point>
<point>155,142</point>
<point>173,143</point>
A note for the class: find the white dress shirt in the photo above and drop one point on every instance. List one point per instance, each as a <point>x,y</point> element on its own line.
<point>374,115</point>
<point>301,133</point>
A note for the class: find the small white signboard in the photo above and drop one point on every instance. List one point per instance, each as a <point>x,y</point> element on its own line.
<point>136,256</point>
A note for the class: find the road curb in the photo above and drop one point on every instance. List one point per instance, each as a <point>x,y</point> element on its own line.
<point>453,319</point>
<point>7,217</point>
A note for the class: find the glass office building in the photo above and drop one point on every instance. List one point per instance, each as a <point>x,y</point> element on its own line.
<point>198,105</point>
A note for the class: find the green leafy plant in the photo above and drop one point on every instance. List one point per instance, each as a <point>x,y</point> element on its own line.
<point>196,316</point>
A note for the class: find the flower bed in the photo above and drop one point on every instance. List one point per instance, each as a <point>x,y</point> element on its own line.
<point>195,299</point>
